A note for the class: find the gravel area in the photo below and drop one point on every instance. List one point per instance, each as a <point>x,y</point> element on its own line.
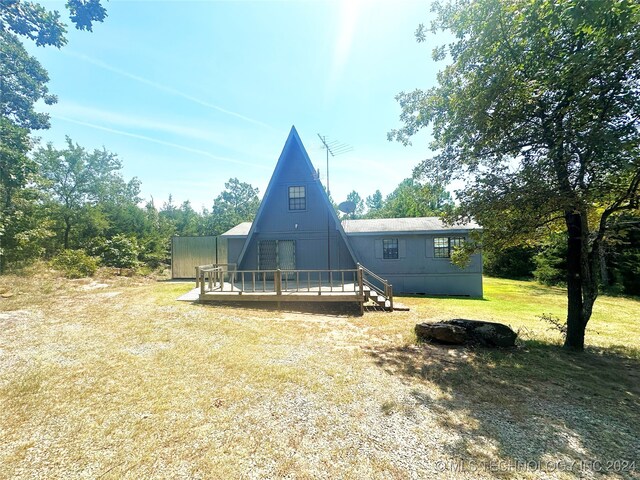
<point>136,385</point>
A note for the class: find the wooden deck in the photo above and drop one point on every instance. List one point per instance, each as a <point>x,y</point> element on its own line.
<point>216,284</point>
<point>267,293</point>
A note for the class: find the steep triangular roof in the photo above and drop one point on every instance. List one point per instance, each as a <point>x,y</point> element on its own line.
<point>294,143</point>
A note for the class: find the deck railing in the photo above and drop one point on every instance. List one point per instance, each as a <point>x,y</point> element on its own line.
<point>209,277</point>
<point>378,284</point>
<point>217,278</point>
<point>221,278</point>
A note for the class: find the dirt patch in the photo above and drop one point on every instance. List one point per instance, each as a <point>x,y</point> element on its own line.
<point>108,294</point>
<point>144,349</point>
<point>15,317</point>
<point>94,286</point>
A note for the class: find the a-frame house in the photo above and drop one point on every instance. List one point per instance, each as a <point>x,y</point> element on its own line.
<point>296,228</point>
<point>297,249</point>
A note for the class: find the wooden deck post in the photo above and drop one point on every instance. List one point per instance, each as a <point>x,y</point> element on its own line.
<point>277,278</point>
<point>197,276</point>
<point>201,275</point>
<point>361,289</point>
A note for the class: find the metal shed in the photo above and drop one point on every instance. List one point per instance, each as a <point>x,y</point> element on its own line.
<point>189,252</point>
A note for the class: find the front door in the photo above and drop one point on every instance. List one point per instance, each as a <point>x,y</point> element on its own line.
<point>276,254</point>
<point>268,255</point>
<point>286,254</point>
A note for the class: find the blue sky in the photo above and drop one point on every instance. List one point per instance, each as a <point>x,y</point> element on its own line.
<point>190,94</point>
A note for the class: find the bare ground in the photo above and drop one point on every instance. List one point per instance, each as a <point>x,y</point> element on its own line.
<point>114,379</point>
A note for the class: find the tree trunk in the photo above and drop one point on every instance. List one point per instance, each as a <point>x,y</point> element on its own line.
<point>576,324</point>
<point>604,272</point>
<point>67,229</point>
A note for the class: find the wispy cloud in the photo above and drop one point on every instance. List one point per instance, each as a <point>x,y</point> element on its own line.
<point>164,88</point>
<point>159,142</point>
<point>75,111</point>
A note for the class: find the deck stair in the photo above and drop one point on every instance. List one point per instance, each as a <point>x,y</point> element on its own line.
<point>377,289</point>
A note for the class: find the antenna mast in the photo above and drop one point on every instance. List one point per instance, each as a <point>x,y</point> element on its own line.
<point>334,148</point>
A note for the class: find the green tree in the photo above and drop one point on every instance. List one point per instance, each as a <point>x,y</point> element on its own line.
<point>113,210</point>
<point>184,219</point>
<point>551,260</point>
<point>514,262</point>
<point>359,205</point>
<point>620,265</point>
<point>44,27</point>
<point>414,199</point>
<point>238,203</point>
<point>538,113</point>
<point>15,170</point>
<point>155,236</point>
<point>120,251</point>
<point>23,82</point>
<point>374,203</point>
<point>76,179</point>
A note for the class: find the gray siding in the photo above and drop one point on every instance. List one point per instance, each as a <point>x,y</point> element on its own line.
<point>234,249</point>
<point>416,270</point>
<point>311,250</point>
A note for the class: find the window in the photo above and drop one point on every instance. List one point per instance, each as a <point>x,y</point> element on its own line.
<point>297,198</point>
<point>390,248</point>
<point>443,246</point>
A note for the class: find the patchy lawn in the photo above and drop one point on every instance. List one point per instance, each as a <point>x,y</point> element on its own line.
<point>115,379</point>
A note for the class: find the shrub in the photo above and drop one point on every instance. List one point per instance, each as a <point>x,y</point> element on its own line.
<point>120,251</point>
<point>155,252</point>
<point>75,264</point>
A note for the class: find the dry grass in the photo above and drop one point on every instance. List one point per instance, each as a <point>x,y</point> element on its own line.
<point>115,379</point>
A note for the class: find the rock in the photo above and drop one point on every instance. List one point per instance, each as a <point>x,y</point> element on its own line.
<point>442,333</point>
<point>470,332</point>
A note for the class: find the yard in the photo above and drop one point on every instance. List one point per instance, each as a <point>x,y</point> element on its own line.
<point>115,379</point>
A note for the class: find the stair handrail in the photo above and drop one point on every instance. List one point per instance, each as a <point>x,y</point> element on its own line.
<point>387,288</point>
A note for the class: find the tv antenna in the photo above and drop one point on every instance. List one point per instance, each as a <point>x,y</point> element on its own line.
<point>335,148</point>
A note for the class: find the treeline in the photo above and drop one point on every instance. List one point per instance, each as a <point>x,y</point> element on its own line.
<point>72,206</point>
<point>619,265</point>
<point>411,198</point>
<point>75,203</point>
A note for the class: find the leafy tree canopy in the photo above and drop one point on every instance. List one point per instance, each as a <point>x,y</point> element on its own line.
<point>23,82</point>
<point>238,203</point>
<point>374,202</point>
<point>354,197</point>
<point>44,27</point>
<point>412,198</point>
<point>538,112</point>
<point>75,178</point>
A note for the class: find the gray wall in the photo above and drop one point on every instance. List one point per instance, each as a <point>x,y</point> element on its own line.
<point>234,246</point>
<point>311,250</point>
<point>416,270</point>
